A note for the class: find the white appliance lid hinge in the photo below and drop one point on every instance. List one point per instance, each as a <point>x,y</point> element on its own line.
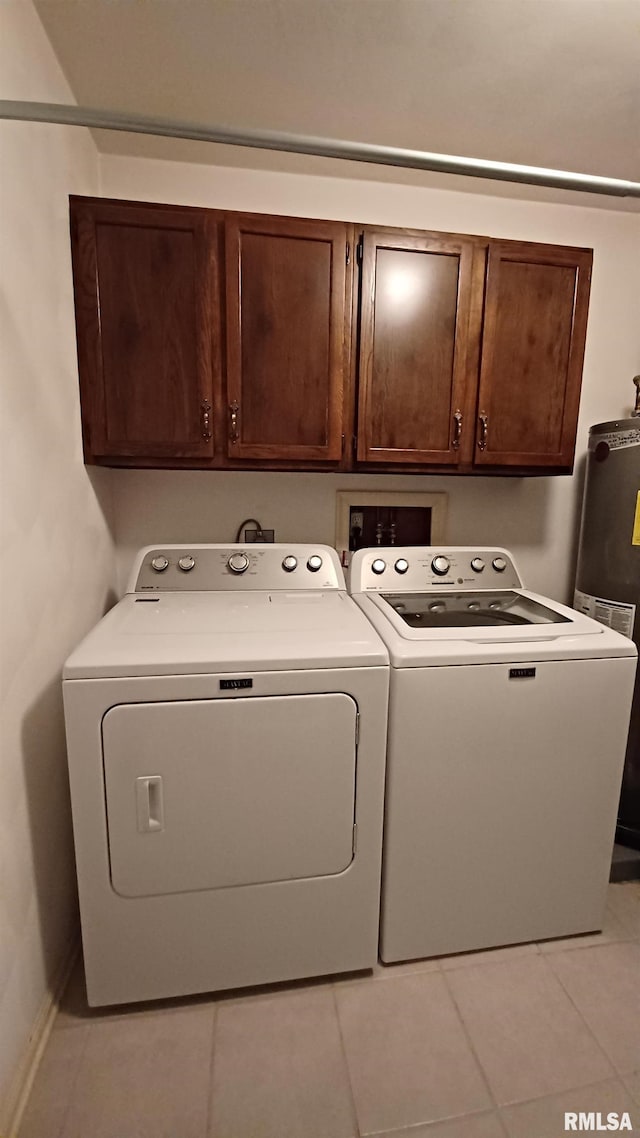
<point>354,844</point>
<point>357,727</point>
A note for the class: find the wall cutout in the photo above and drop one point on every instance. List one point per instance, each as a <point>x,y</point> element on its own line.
<point>372,517</point>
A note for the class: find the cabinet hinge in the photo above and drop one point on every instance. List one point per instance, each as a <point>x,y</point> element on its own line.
<point>360,250</point>
<point>354,840</point>
<point>343,441</point>
<point>348,253</point>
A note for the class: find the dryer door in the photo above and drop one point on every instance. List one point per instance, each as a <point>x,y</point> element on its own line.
<point>204,794</point>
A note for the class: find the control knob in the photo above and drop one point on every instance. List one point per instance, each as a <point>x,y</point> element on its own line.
<point>186,564</point>
<point>159,564</point>
<point>440,565</point>
<point>314,563</point>
<point>401,565</point>
<point>477,564</point>
<point>238,563</point>
<point>499,564</point>
<point>378,566</point>
<point>289,563</point>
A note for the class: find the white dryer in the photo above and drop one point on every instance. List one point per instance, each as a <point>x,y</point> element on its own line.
<point>508,719</point>
<point>226,727</point>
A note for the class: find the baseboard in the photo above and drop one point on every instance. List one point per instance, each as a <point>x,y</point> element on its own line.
<point>22,1081</point>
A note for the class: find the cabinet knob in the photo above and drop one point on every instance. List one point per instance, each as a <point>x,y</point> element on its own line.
<point>457,429</point>
<point>234,428</point>
<point>205,419</point>
<point>484,430</point>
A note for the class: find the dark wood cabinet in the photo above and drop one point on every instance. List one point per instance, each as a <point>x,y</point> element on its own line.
<point>286,338</point>
<point>415,346</point>
<point>148,329</point>
<point>470,352</point>
<point>216,339</point>
<point>535,321</point>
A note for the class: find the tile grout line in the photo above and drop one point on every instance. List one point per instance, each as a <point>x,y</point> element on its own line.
<point>470,1042</point>
<point>615,1071</point>
<point>503,1122</point>
<point>574,944</point>
<point>344,985</point>
<point>212,1059</point>
<point>401,1131</point>
<point>631,934</point>
<point>570,1090</point>
<point>343,1050</point>
<point>591,1032</point>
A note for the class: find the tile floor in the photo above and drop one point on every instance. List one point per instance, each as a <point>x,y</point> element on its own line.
<point>488,1045</point>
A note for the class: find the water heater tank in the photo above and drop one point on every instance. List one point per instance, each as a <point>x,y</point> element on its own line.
<point>608,574</point>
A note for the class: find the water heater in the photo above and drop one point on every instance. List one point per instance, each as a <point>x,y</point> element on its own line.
<point>608,574</point>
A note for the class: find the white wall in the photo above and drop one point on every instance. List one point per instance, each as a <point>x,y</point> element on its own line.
<point>536,517</point>
<point>56,551</point>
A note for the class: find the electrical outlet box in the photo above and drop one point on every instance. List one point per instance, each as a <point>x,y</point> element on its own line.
<point>253,535</point>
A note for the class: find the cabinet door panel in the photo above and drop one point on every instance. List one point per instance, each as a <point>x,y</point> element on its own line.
<point>143,286</point>
<point>286,338</point>
<point>532,351</point>
<point>416,298</point>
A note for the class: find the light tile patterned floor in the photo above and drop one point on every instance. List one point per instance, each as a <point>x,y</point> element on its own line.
<point>488,1045</point>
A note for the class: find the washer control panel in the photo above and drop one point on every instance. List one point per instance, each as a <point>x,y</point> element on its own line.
<point>432,569</point>
<point>221,567</point>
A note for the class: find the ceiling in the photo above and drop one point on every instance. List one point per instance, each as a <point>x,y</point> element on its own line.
<point>552,83</point>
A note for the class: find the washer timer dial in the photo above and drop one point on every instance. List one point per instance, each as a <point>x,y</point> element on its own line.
<point>238,563</point>
<point>440,565</point>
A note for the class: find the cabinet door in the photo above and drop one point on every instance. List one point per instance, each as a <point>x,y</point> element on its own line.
<point>145,312</point>
<point>285,281</point>
<point>532,350</point>
<point>415,347</point>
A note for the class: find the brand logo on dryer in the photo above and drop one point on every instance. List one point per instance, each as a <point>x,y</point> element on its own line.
<point>233,685</point>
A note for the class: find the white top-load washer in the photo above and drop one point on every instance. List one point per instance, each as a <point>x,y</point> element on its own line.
<point>226,728</point>
<point>508,719</point>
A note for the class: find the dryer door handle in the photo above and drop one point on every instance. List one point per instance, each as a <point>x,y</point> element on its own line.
<point>149,803</point>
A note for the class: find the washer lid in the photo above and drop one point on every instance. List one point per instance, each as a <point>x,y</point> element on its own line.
<point>543,629</point>
<point>180,633</point>
<point>498,609</point>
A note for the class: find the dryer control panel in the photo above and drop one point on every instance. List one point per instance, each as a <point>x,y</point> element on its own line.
<point>209,568</point>
<point>432,568</point>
